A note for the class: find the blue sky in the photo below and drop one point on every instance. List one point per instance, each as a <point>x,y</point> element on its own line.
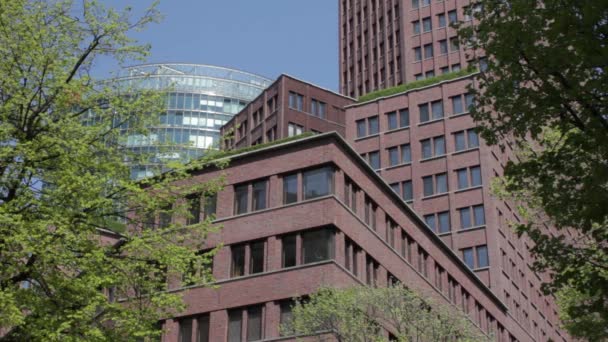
<point>266,37</point>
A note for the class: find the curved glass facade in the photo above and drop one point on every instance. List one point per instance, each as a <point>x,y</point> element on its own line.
<point>202,99</point>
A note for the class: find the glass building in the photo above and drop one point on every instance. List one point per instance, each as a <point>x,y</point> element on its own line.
<point>202,98</point>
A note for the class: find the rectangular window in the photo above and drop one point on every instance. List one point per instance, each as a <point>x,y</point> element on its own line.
<point>468,258</point>
<point>203,329</point>
<point>210,205</point>
<point>241,198</point>
<point>463,181</point>
<point>423,262</point>
<point>415,4</point>
<point>439,146</point>
<point>427,24</point>
<point>404,118</point>
<point>465,217</point>
<point>374,160</point>
<point>417,54</point>
<point>317,245</point>
<point>290,189</point>
<point>424,112</point>
<point>444,222</point>
<point>457,105</point>
<point>392,120</point>
<point>318,182</point>
<point>317,108</point>
<point>479,216</point>
<point>408,192</point>
<point>238,261</point>
<point>430,221</point>
<point>473,138</point>
<point>185,330</point>
<point>428,51</point>
<point>437,109</point>
<point>482,256</point>
<point>393,156</point>
<point>361,132</point>
<point>259,195</point>
<point>460,141</point>
<point>254,323</point>
<point>416,27</point>
<point>441,183</point>
<point>194,209</point>
<point>441,20</point>
<point>286,317</point>
<point>452,17</point>
<point>427,183</point>
<point>427,151</point>
<point>469,100</point>
<point>443,46</point>
<point>288,250</point>
<point>475,176</point>
<point>165,217</point>
<point>406,153</point>
<point>235,325</point>
<point>256,257</point>
<point>373,127</point>
<point>294,129</point>
<point>296,101</point>
<point>370,213</point>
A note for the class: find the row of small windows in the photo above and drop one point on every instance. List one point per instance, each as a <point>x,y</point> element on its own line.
<point>470,217</point>
<point>317,108</point>
<point>427,25</point>
<point>430,148</point>
<point>199,207</point>
<point>427,51</point>
<point>429,111</point>
<point>204,102</point>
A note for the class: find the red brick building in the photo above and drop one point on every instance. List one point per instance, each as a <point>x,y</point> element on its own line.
<point>312,212</point>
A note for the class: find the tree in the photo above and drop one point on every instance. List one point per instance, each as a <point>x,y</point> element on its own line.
<point>544,91</point>
<point>63,183</point>
<point>358,314</point>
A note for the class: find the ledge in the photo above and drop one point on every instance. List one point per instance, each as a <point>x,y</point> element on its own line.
<point>466,150</point>
<point>458,115</point>
<point>431,121</point>
<point>471,229</point>
<point>396,129</point>
<point>367,137</point>
<point>436,195</point>
<point>432,158</point>
<point>469,188</point>
<point>397,166</point>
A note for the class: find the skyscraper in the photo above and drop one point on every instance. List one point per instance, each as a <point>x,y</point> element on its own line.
<point>201,99</point>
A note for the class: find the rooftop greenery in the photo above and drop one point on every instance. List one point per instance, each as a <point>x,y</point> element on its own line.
<point>416,84</point>
<point>228,153</point>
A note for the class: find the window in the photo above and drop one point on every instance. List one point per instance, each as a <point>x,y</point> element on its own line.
<point>286,316</point>
<point>259,195</point>
<point>415,4</point>
<point>317,245</point>
<point>417,54</point>
<point>393,156</point>
<point>241,198</point>
<point>439,272</point>
<point>404,117</point>
<point>433,147</point>
<point>238,261</point>
<point>437,107</point>
<point>428,51</point>
<point>463,177</point>
<point>288,250</point>
<point>416,27</point>
<point>317,108</point>
<point>391,228</point>
<point>441,20</point>
<point>423,262</point>
<point>203,328</point>
<point>392,120</point>
<point>194,209</point>
<point>468,258</point>
<point>294,129</point>
<point>436,184</point>
<point>254,323</point>
<point>469,100</point>
<point>290,189</point>
<point>443,46</point>
<point>210,205</point>
<point>455,67</point>
<point>407,245</point>
<point>396,158</point>
<point>371,270</point>
<point>439,222</point>
<point>256,257</point>
<point>429,74</point>
<point>427,24</point>
<point>408,193</point>
<point>373,125</point>
<point>452,17</point>
<point>424,112</point>
<point>318,182</point>
<point>361,132</point>
<point>370,212</point>
<point>350,194</point>
<point>463,181</point>
<point>373,159</point>
<point>478,217</point>
<point>454,44</point>
<point>467,139</point>
<point>296,101</point>
<point>457,107</point>
<point>185,330</point>
<point>482,256</point>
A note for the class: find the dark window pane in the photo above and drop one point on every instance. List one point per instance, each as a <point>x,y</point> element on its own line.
<point>392,120</point>
<point>437,109</point>
<point>441,20</point>
<point>404,118</point>
<point>467,257</point>
<point>428,51</point>
<point>241,198</point>
<point>480,219</point>
<point>457,104</point>
<point>393,156</point>
<point>465,218</point>
<point>210,205</point>
<point>469,101</point>
<point>256,258</point>
<point>408,193</point>
<point>290,189</point>
<point>254,323</point>
<point>373,125</point>
<point>203,329</point>
<point>427,183</point>
<point>235,322</point>
<point>395,187</point>
<point>317,245</point>
<point>165,217</point>
<point>427,151</point>
<point>360,128</point>
<point>374,160</point>
<point>463,181</point>
<point>443,46</point>
<point>475,176</point>
<point>194,209</point>
<point>238,261</point>
<point>473,139</point>
<point>427,24</point>
<point>459,140</point>
<point>430,221</point>
<point>185,330</point>
<point>439,146</point>
<point>442,183</point>
<point>259,195</point>
<point>416,27</point>
<point>418,54</point>
<point>444,222</point>
<point>406,153</point>
<point>289,251</point>
<point>286,318</point>
<point>424,112</point>
<point>482,256</point>
<point>318,182</point>
<point>452,17</point>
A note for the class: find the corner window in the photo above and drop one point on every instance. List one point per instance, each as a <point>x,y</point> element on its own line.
<point>317,245</point>
<point>318,182</point>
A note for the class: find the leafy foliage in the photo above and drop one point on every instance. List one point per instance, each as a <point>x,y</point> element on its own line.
<point>416,84</point>
<point>545,91</point>
<point>357,314</point>
<point>61,181</point>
